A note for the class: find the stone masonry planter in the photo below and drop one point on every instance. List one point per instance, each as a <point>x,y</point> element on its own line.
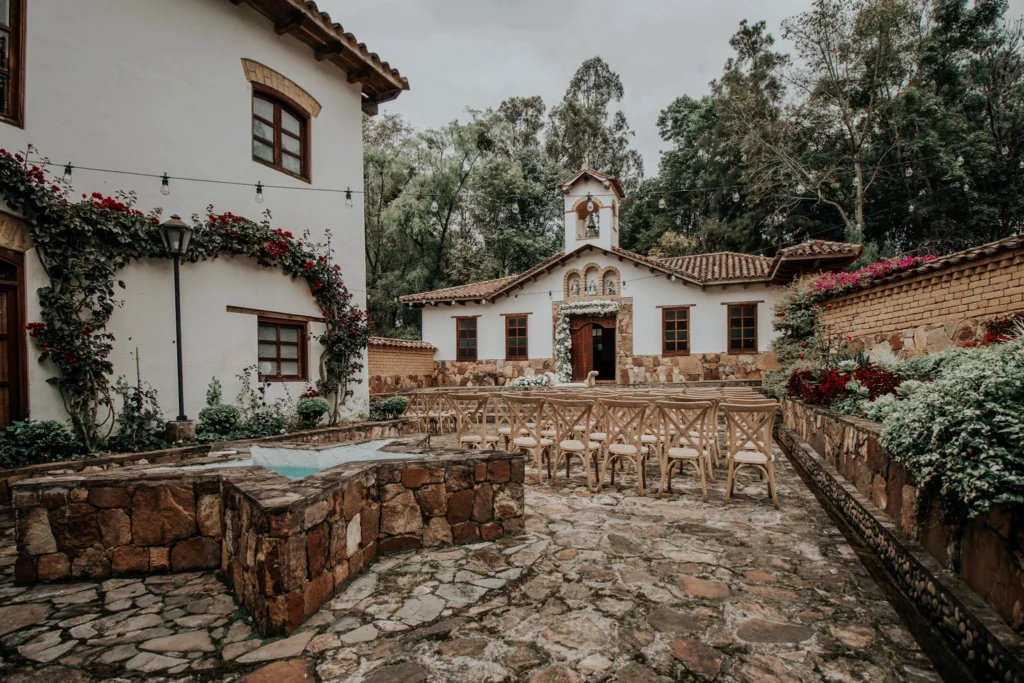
<point>285,547</point>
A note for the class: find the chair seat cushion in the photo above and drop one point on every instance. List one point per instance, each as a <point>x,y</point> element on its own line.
<point>684,452</point>
<point>598,436</point>
<point>649,438</point>
<point>550,433</point>
<point>530,442</point>
<point>625,449</point>
<point>577,445</point>
<point>751,457</point>
<point>504,431</point>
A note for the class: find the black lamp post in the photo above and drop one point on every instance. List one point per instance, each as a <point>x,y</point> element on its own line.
<point>176,235</point>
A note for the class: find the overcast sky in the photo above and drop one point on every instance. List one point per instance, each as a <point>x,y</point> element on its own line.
<point>475,53</point>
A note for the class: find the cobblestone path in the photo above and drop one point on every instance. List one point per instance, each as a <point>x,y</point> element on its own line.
<point>603,587</point>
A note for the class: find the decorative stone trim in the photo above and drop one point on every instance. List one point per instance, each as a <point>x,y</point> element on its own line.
<point>285,547</point>
<point>975,634</point>
<point>267,77</point>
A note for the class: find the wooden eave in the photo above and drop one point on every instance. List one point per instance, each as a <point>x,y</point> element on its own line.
<point>329,42</point>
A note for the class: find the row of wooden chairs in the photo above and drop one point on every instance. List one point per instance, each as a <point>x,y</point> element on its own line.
<point>624,428</point>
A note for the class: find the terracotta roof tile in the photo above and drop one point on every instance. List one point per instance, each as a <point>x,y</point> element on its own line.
<point>402,343</point>
<point>474,290</point>
<point>720,266</point>
<point>1012,243</point>
<point>597,175</point>
<point>821,248</point>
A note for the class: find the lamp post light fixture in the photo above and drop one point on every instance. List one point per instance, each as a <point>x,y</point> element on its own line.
<point>176,235</point>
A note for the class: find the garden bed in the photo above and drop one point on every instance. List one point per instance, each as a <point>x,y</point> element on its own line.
<point>360,431</point>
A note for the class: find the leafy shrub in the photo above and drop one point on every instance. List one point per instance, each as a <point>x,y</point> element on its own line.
<point>219,419</point>
<point>266,422</point>
<point>140,423</point>
<point>310,411</point>
<point>388,408</point>
<point>965,431</point>
<point>34,443</point>
<point>880,408</point>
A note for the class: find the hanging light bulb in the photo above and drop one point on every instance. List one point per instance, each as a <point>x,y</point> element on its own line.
<point>856,181</point>
<point>679,220</point>
<point>515,206</point>
<point>348,197</point>
<point>911,207</point>
<point>165,185</point>
<point>959,159</point>
<point>1020,164</point>
<point>433,203</point>
<point>967,187</point>
<point>909,171</point>
<point>67,173</point>
<point>735,196</point>
<point>661,203</point>
<point>590,202</point>
<point>259,192</point>
<point>800,189</point>
<point>1005,150</point>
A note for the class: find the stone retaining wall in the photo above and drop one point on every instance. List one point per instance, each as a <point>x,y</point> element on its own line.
<point>986,553</point>
<point>285,547</point>
<point>973,632</point>
<point>362,431</point>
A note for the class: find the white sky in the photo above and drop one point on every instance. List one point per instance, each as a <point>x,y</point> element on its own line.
<point>475,53</point>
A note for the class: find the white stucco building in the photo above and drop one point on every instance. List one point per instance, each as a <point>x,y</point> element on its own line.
<point>699,317</point>
<point>261,91</point>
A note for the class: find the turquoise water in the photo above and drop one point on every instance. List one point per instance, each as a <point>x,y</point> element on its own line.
<point>295,472</point>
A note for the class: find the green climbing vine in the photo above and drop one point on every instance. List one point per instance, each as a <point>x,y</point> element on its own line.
<point>83,243</point>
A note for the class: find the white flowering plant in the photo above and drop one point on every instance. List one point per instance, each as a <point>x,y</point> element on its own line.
<point>529,381</point>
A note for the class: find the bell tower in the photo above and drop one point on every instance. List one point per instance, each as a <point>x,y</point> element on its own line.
<point>591,209</point>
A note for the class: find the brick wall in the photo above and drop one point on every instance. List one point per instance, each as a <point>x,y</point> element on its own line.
<point>937,309</point>
<point>393,368</point>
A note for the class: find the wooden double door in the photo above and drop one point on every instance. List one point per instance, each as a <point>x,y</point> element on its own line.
<point>593,348</point>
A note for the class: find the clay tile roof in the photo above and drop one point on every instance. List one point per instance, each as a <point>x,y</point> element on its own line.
<point>402,343</point>
<point>1012,243</point>
<point>597,175</point>
<point>330,42</point>
<point>474,290</point>
<point>720,266</point>
<point>821,248</point>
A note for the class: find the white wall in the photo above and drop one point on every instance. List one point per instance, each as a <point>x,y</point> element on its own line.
<point>603,197</point>
<point>708,323</point>
<point>155,86</point>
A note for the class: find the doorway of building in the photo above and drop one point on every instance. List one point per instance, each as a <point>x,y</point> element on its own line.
<point>11,385</point>
<point>593,348</point>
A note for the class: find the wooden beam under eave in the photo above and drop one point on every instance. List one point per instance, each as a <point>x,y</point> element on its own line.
<point>370,108</point>
<point>290,23</point>
<point>328,50</point>
<point>360,75</point>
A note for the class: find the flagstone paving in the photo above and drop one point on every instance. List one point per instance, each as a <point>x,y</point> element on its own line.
<point>603,587</point>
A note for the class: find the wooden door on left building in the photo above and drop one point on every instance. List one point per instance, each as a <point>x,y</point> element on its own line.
<point>13,403</point>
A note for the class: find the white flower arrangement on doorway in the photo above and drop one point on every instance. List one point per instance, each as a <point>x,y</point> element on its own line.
<point>563,337</point>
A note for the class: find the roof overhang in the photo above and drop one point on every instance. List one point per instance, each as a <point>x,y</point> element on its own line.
<point>329,42</point>
<point>608,181</point>
<point>788,268</point>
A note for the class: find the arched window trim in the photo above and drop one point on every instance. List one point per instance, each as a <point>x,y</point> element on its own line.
<point>281,103</point>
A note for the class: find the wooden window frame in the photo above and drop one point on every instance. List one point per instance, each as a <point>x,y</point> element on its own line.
<point>281,103</point>
<point>302,327</point>
<point>664,342</point>
<point>728,328</point>
<point>13,112</point>
<point>458,337</point>
<point>525,327</point>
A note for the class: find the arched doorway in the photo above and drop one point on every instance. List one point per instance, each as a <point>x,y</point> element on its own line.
<point>12,392</point>
<point>593,347</point>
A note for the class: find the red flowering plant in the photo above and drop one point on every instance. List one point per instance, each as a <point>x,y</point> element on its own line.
<point>84,244</point>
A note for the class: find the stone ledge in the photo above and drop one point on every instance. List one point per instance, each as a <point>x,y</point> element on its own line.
<point>973,631</point>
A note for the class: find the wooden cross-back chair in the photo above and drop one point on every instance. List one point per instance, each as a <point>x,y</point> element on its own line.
<point>686,429</point>
<point>749,443</point>
<point>526,413</point>
<point>624,429</point>
<point>471,413</point>
<point>502,419</point>
<point>574,422</point>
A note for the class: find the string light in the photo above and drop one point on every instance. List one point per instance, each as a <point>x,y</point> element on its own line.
<point>735,196</point>
<point>909,171</point>
<point>515,207</point>
<point>67,173</point>
<point>433,203</point>
<point>662,203</point>
<point>348,197</point>
<point>911,208</point>
<point>1006,150</point>
<point>967,187</point>
<point>800,189</point>
<point>959,159</point>
<point>259,192</point>
<point>165,185</point>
